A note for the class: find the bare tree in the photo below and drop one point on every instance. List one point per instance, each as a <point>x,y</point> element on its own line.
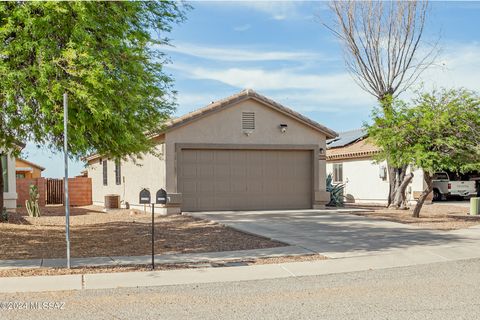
<point>385,55</point>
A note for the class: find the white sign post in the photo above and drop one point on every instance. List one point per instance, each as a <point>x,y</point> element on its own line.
<point>65,182</point>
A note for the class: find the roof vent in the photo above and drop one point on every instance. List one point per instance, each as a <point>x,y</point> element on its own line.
<point>248,121</point>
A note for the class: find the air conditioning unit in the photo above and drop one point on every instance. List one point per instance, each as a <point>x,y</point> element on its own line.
<point>112,201</point>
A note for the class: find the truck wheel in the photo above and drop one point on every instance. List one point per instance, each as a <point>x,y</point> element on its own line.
<point>436,195</point>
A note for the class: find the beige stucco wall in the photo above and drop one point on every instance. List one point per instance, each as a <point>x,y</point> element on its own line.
<point>148,172</point>
<point>364,185</point>
<point>10,197</point>
<point>225,127</point>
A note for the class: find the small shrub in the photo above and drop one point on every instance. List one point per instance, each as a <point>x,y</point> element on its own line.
<point>4,215</point>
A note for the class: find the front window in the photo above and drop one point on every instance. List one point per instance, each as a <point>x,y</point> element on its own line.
<point>5,172</point>
<point>105,172</point>
<point>338,172</point>
<point>118,172</point>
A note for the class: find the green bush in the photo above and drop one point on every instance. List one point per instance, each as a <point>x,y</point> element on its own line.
<point>4,215</point>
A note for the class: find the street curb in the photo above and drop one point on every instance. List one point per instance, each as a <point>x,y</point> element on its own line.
<point>232,274</point>
<point>179,258</point>
<point>41,283</point>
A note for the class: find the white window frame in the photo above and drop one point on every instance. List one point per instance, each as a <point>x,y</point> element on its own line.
<point>337,171</point>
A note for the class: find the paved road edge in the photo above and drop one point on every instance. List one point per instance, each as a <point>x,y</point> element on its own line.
<point>231,274</point>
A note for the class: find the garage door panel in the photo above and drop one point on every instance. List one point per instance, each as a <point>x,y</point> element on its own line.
<point>189,171</point>
<point>222,187</point>
<point>206,170</point>
<point>206,157</point>
<point>255,187</point>
<point>222,157</point>
<point>205,187</point>
<point>189,187</point>
<point>245,179</point>
<point>221,170</point>
<point>239,186</point>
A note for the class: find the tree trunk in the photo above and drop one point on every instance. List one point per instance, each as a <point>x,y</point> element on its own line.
<point>1,184</point>
<point>398,182</point>
<point>421,200</point>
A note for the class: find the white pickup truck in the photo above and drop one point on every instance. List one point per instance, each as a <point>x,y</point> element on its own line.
<point>444,188</point>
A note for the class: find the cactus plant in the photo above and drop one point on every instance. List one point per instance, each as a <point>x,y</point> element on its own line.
<point>32,204</point>
<point>336,192</point>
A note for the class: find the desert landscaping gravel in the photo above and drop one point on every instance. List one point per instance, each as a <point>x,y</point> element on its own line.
<point>95,233</point>
<point>433,216</point>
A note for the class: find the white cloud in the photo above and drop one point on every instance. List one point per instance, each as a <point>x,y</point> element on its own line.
<point>309,91</point>
<point>457,66</point>
<point>242,54</point>
<point>242,28</point>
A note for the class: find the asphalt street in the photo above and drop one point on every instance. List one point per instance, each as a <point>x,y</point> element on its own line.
<point>448,290</point>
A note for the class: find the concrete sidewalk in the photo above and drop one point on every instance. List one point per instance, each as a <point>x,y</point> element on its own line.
<point>159,259</point>
<point>229,274</point>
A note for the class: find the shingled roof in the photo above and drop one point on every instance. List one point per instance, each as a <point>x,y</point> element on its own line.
<point>241,96</point>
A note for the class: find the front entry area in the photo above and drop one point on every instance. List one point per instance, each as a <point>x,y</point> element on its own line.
<point>238,179</point>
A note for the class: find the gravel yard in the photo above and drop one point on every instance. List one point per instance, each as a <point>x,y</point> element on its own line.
<point>433,216</point>
<point>95,233</point>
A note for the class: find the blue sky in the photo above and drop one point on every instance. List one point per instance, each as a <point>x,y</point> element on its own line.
<point>281,50</point>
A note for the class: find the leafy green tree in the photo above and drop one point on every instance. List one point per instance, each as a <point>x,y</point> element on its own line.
<point>440,132</point>
<point>106,55</point>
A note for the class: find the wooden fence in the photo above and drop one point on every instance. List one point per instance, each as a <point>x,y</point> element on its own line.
<point>54,191</point>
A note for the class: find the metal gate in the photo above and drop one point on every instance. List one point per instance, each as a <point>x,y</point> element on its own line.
<point>54,191</point>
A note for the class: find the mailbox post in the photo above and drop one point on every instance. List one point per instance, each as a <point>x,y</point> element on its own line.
<point>161,198</point>
<point>145,198</point>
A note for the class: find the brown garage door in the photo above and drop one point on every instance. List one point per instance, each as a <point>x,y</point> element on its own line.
<point>245,179</point>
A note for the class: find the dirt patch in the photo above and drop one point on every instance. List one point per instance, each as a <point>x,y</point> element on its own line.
<point>25,272</point>
<point>95,233</point>
<point>432,216</point>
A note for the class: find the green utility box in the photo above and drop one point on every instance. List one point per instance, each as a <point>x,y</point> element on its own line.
<point>474,206</point>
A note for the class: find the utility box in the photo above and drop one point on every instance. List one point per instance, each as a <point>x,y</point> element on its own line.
<point>112,201</point>
<point>474,206</point>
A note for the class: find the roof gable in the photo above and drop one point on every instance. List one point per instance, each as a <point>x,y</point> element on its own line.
<point>242,96</point>
<point>26,162</point>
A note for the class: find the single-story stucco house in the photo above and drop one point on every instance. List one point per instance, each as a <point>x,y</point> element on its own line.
<point>245,152</point>
<point>25,169</point>
<point>9,181</point>
<point>350,160</point>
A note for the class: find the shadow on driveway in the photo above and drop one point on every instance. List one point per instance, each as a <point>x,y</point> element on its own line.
<point>332,232</point>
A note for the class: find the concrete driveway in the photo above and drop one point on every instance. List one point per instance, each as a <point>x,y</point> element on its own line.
<point>336,233</point>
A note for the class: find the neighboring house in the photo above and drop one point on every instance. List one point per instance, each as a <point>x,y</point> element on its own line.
<point>350,159</point>
<point>245,152</point>
<point>27,170</point>
<point>9,181</point>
